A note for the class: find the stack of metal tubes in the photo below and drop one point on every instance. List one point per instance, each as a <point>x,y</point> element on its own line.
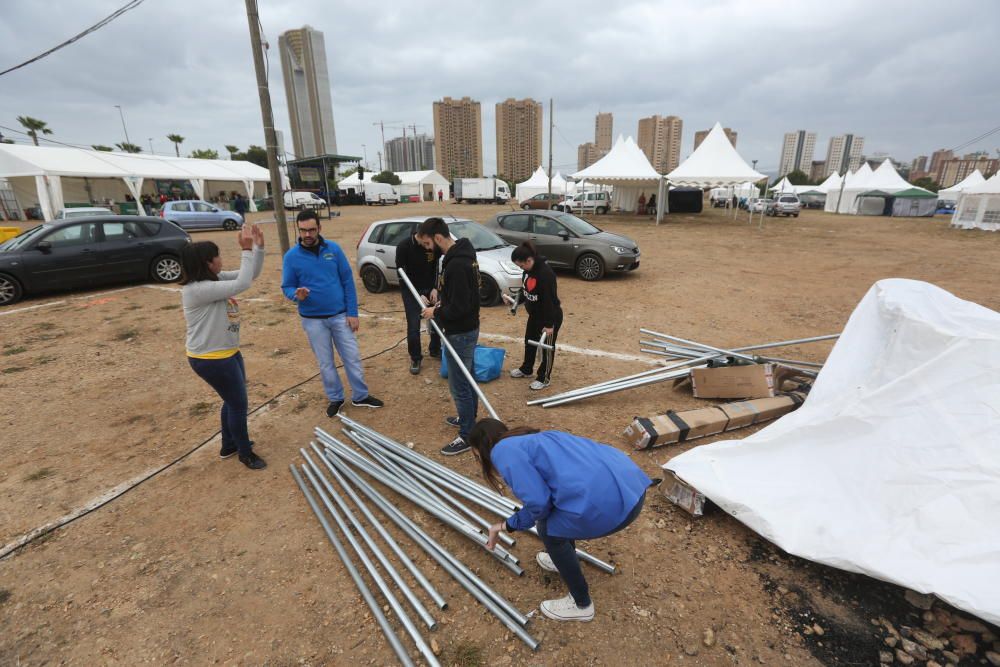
<point>453,499</point>
<point>686,355</point>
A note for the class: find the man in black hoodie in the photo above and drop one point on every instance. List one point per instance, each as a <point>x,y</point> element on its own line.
<point>541,300</point>
<point>420,261</point>
<point>457,313</point>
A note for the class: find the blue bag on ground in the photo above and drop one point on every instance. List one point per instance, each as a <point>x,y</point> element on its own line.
<point>487,363</point>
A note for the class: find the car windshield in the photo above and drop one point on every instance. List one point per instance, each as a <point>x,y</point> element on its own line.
<point>577,225</point>
<point>24,237</point>
<point>480,237</point>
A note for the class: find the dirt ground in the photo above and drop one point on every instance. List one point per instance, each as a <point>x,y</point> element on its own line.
<point>208,562</point>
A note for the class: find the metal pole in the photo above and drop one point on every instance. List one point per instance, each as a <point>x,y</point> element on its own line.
<point>124,129</point>
<point>608,390</point>
<point>551,129</point>
<point>444,341</point>
<point>728,353</point>
<point>540,343</point>
<point>366,593</point>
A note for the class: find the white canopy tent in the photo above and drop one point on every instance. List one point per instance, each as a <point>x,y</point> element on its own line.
<point>979,206</point>
<point>952,194</point>
<point>783,186</point>
<point>884,179</point>
<point>353,181</point>
<point>538,183</point>
<point>850,181</point>
<point>715,163</point>
<point>50,176</point>
<point>627,169</point>
<point>424,184</point>
<point>832,182</point>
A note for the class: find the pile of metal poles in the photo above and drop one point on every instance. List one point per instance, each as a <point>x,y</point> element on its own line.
<point>330,463</point>
<point>691,354</point>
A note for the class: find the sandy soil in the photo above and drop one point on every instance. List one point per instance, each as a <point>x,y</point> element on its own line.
<point>208,562</point>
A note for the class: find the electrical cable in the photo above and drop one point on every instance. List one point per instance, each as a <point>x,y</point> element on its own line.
<point>18,547</point>
<point>985,135</point>
<point>132,4</point>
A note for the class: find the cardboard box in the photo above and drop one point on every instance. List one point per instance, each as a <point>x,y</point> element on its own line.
<point>682,494</point>
<point>752,381</point>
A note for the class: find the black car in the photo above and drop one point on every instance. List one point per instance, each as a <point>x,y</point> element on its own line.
<point>90,251</point>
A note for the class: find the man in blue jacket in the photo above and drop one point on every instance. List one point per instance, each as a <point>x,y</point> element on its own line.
<point>317,276</point>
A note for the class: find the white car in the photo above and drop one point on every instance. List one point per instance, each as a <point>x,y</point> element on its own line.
<point>598,202</point>
<point>83,212</point>
<point>376,261</point>
<point>380,193</point>
<point>758,205</point>
<point>303,200</point>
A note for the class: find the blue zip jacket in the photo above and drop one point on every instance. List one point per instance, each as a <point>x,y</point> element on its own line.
<point>328,276</point>
<point>583,489</point>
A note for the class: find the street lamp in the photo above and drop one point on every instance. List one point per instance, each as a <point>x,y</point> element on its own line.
<point>125,129</point>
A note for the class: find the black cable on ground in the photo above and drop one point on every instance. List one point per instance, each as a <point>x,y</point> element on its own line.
<point>16,548</point>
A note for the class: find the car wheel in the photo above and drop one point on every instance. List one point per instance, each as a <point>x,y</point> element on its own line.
<point>489,293</point>
<point>525,207</point>
<point>795,215</point>
<point>229,225</point>
<point>10,290</point>
<point>602,210</point>
<point>590,267</point>
<point>373,279</point>
<point>166,269</point>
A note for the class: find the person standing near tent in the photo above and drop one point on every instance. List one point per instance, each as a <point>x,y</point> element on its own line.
<point>440,195</point>
<point>572,488</point>
<point>240,206</point>
<point>541,299</point>
<point>419,258</point>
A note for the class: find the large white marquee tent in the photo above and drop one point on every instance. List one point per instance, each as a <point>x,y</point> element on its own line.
<point>715,163</point>
<point>424,184</point>
<point>627,169</point>
<point>850,183</point>
<point>979,206</point>
<point>952,194</point>
<point>538,183</point>
<point>51,176</point>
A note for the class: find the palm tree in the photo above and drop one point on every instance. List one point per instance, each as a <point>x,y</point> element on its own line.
<point>127,147</point>
<point>205,154</point>
<point>34,126</point>
<point>232,150</point>
<point>177,141</point>
<point>102,147</point>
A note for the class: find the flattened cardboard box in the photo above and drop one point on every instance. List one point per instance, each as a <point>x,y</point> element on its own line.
<point>753,381</point>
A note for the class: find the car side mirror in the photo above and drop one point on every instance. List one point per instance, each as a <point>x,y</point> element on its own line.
<point>215,210</point>
<point>564,236</point>
<point>44,246</point>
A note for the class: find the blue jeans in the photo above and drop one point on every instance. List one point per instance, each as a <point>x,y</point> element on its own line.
<point>228,378</point>
<point>323,336</point>
<point>563,554</point>
<point>466,400</point>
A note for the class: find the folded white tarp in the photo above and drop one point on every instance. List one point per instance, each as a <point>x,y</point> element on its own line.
<point>891,467</point>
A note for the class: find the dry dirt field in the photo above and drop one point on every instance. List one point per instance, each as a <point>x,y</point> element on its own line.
<point>208,562</point>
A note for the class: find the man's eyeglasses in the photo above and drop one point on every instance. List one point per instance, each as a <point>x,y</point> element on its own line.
<point>307,232</point>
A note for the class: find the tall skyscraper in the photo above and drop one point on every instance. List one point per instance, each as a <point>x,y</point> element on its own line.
<point>919,164</point>
<point>700,135</point>
<point>797,152</point>
<point>586,155</point>
<point>659,137</point>
<point>519,138</point>
<point>458,138</point>
<point>410,153</point>
<point>937,158</point>
<point>307,89</point>
<point>603,131</point>
<point>844,154</point>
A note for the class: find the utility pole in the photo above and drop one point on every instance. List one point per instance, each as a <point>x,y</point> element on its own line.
<point>416,165</point>
<point>124,129</point>
<point>270,140</point>
<point>551,126</point>
<point>380,161</point>
<point>406,152</point>
<point>151,145</point>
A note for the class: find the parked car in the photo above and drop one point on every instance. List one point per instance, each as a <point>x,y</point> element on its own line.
<point>303,200</point>
<point>197,214</point>
<point>85,253</point>
<point>569,242</point>
<point>83,212</point>
<point>757,205</point>
<point>376,254</point>
<point>381,194</point>
<point>543,201</point>
<point>598,202</point>
<point>785,204</point>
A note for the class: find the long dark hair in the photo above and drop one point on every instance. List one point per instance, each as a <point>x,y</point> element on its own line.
<point>524,252</point>
<point>483,438</point>
<point>194,261</point>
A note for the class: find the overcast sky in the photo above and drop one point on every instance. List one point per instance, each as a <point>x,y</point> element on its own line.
<point>910,77</point>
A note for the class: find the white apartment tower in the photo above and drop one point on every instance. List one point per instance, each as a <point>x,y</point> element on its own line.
<point>307,89</point>
<point>797,152</point>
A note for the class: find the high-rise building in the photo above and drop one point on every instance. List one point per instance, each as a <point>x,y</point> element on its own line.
<point>410,153</point>
<point>519,138</point>
<point>937,157</point>
<point>954,170</point>
<point>458,138</point>
<point>307,89</point>
<point>700,135</point>
<point>603,131</point>
<point>797,152</point>
<point>586,155</point>
<point>844,154</point>
<point>659,137</point>
<point>919,164</point>
<point>817,170</point>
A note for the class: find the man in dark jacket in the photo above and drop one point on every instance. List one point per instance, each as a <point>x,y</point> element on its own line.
<point>541,299</point>
<point>457,313</point>
<point>421,265</point>
<point>240,206</point>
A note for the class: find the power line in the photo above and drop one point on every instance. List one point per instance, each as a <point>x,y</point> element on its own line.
<point>132,4</point>
<point>985,135</point>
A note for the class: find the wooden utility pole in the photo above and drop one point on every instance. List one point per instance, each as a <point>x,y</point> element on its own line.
<point>270,139</point>
<point>551,125</point>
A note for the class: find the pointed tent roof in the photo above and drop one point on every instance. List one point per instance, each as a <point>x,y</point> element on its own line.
<point>537,179</point>
<point>625,164</point>
<point>353,180</point>
<point>857,179</point>
<point>832,182</point>
<point>886,178</point>
<point>714,163</point>
<point>990,187</point>
<point>558,181</point>
<point>784,185</point>
<point>972,180</point>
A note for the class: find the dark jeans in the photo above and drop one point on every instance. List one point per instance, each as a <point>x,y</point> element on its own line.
<point>533,331</point>
<point>466,400</point>
<point>228,378</point>
<point>563,553</point>
<point>413,321</point>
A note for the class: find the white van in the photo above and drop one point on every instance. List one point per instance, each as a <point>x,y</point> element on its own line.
<point>303,200</point>
<point>380,193</point>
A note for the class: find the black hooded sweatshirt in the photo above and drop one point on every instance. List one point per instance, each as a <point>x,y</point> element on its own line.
<point>420,264</point>
<point>458,289</point>
<point>539,295</point>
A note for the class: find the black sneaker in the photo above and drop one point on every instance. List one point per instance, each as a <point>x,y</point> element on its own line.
<point>436,354</point>
<point>253,461</point>
<point>333,409</point>
<point>229,450</point>
<point>415,366</point>
<point>368,401</point>
<point>456,446</point>
<point>453,421</point>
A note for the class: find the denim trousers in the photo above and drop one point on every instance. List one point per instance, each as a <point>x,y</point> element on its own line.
<point>413,321</point>
<point>563,553</point>
<point>325,335</point>
<point>228,378</point>
<point>466,400</point>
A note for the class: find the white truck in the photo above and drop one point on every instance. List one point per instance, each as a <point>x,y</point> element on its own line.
<point>380,193</point>
<point>481,190</point>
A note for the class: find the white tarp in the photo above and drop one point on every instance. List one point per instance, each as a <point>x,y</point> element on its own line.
<point>714,163</point>
<point>979,206</point>
<point>891,467</point>
<point>951,194</point>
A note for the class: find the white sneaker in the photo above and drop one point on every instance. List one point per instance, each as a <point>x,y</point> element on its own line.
<point>538,384</point>
<point>516,373</point>
<point>544,561</point>
<point>565,609</point>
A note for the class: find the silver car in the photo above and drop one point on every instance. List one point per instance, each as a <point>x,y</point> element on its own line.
<point>376,261</point>
<point>83,212</point>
